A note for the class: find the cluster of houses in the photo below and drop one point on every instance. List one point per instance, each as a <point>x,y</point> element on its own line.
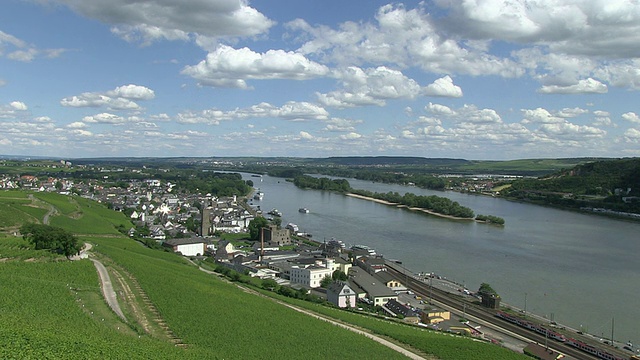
<point>149,203</point>
<point>367,279</point>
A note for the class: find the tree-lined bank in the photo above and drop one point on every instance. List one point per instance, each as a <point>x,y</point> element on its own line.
<point>436,205</point>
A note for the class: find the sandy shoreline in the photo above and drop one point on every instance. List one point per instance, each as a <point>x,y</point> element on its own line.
<point>406,207</point>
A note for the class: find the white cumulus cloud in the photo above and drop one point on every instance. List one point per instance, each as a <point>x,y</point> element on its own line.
<point>540,116</point>
<point>443,87</point>
<point>150,20</point>
<point>104,118</point>
<point>18,105</point>
<point>135,92</point>
<point>350,136</point>
<point>373,86</point>
<point>305,135</point>
<point>401,36</point>
<point>229,67</point>
<point>632,117</point>
<point>584,86</point>
<point>118,99</point>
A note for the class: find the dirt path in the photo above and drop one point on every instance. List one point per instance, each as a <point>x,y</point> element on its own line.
<point>107,289</point>
<point>51,212</point>
<point>373,337</point>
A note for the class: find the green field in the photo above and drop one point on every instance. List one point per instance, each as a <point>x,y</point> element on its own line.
<point>91,217</point>
<point>65,205</point>
<point>16,208</point>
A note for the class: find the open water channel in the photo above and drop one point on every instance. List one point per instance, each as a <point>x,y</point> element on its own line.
<point>578,269</point>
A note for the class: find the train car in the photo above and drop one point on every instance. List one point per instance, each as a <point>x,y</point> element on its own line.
<point>601,354</point>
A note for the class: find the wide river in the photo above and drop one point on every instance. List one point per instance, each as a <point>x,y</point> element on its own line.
<point>581,270</point>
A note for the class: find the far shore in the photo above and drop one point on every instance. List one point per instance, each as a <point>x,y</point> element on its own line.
<point>407,207</point>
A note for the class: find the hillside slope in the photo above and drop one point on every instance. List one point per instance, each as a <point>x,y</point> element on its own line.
<point>612,184</point>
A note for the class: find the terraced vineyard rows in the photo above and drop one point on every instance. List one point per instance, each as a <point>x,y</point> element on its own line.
<point>42,316</point>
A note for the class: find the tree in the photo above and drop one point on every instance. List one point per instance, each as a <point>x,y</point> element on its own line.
<point>51,238</point>
<point>254,227</point>
<point>487,289</point>
<point>326,281</point>
<point>269,284</point>
<point>339,275</point>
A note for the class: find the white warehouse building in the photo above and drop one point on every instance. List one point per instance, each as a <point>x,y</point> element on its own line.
<point>187,247</point>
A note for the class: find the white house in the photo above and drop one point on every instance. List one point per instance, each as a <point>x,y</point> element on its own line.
<point>341,295</point>
<point>309,276</point>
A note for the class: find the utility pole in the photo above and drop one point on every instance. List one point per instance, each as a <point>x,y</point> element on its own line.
<point>612,331</point>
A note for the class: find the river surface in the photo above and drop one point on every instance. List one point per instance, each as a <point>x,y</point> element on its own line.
<point>578,269</point>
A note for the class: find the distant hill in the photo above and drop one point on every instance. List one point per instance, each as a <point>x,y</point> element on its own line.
<point>611,184</point>
<point>391,160</point>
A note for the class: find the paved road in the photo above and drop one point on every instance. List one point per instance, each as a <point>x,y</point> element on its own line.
<point>107,289</point>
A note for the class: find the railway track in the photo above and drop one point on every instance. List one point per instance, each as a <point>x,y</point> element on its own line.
<point>485,314</point>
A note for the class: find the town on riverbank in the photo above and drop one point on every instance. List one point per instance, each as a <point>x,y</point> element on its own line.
<point>152,202</point>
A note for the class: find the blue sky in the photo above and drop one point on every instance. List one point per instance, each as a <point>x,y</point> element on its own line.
<point>473,79</point>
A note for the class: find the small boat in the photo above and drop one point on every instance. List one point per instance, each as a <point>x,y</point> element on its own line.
<point>258,196</point>
<point>303,210</point>
<point>275,212</point>
<point>256,175</point>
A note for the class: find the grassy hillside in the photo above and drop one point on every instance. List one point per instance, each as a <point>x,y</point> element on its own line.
<point>596,184</point>
<point>53,308</point>
<point>17,208</point>
<point>46,315</point>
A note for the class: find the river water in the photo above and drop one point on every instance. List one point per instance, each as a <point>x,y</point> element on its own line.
<point>580,270</point>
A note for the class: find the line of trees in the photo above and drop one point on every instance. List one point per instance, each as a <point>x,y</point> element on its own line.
<point>310,182</point>
<point>438,204</point>
<point>490,219</point>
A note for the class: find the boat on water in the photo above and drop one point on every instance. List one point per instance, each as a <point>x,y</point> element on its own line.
<point>303,210</point>
<point>256,175</point>
<point>364,249</point>
<point>275,212</point>
<point>258,196</point>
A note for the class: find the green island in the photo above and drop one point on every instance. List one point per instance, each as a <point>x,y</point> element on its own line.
<point>435,205</point>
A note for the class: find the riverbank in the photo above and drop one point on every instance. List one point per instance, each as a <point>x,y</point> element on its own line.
<point>407,207</point>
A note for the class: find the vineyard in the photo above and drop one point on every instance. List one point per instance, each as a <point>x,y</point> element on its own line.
<point>206,312</point>
<point>16,208</point>
<point>43,318</point>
